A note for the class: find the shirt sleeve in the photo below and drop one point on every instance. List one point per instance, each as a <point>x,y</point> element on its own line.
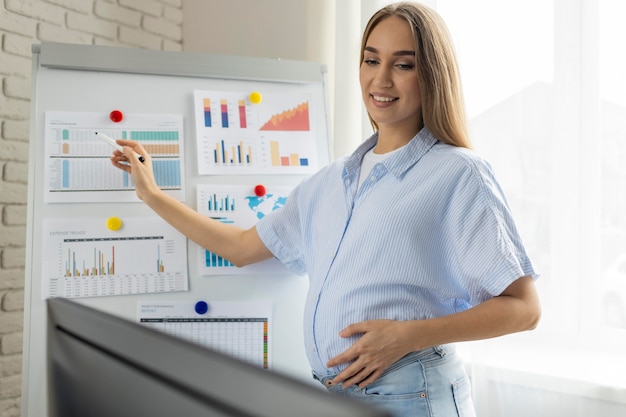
<point>281,233</point>
<point>486,243</point>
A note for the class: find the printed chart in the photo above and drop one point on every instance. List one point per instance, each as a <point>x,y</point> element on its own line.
<point>237,329</point>
<point>240,206</point>
<point>78,168</point>
<point>273,135</point>
<point>85,259</point>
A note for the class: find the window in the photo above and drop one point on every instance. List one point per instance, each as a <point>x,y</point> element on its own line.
<point>545,90</point>
<point>546,99</point>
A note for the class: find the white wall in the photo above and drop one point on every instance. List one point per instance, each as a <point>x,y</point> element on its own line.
<point>267,28</point>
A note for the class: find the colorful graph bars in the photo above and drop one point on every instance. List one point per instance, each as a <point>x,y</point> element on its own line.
<point>226,203</point>
<point>224,112</point>
<point>285,160</point>
<point>243,123</point>
<point>215,261</point>
<point>265,345</point>
<point>100,265</point>
<point>207,112</point>
<point>238,154</point>
<point>159,261</point>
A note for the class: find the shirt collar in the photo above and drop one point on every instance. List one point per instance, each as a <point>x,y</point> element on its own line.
<point>398,163</point>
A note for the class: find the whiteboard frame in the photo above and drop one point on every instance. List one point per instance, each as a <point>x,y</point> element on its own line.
<point>105,59</point>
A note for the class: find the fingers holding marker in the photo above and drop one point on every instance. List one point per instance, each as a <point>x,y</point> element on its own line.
<point>125,152</point>
<point>116,145</point>
<point>136,147</point>
<point>134,154</point>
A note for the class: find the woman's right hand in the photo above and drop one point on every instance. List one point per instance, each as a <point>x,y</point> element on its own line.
<point>141,172</point>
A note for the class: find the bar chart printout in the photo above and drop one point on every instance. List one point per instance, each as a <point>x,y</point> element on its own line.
<point>237,205</point>
<point>274,136</point>
<point>238,329</point>
<point>103,261</point>
<point>84,259</point>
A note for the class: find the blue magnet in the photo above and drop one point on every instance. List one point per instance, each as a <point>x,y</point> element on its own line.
<point>201,307</point>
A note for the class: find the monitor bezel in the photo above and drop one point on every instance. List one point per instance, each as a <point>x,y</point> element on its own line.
<point>235,387</point>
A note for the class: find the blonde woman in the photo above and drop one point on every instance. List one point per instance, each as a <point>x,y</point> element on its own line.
<point>421,253</point>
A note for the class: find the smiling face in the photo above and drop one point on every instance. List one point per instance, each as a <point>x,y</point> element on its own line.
<point>388,78</point>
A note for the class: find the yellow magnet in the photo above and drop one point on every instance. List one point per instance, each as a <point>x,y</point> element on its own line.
<point>255,97</point>
<point>114,223</point>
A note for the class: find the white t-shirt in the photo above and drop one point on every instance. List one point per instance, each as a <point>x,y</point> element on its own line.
<point>370,159</point>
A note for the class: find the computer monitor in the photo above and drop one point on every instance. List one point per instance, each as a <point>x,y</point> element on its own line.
<point>100,365</point>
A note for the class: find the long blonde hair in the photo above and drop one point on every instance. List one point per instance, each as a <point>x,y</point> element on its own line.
<point>443,107</point>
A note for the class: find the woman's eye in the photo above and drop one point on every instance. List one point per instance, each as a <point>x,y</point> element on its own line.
<point>406,66</point>
<point>370,61</point>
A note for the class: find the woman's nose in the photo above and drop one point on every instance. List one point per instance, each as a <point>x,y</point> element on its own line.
<point>382,77</point>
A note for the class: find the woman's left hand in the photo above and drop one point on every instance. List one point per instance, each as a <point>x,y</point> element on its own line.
<point>380,345</point>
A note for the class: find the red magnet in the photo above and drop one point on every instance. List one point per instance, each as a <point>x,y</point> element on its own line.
<point>259,190</point>
<point>116,116</point>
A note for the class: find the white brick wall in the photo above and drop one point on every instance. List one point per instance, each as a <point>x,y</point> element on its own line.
<point>153,24</point>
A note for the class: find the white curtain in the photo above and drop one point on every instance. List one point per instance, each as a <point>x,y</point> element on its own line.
<point>545,86</point>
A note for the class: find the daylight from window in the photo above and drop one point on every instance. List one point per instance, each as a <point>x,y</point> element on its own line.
<point>546,100</point>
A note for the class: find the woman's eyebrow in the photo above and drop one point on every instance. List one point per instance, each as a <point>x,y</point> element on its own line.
<point>396,53</point>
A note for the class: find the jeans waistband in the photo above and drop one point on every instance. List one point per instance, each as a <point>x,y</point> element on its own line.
<point>441,350</point>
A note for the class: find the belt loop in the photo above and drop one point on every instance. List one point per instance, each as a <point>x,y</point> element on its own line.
<point>439,350</point>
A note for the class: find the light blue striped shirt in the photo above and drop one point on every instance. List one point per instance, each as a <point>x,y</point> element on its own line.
<point>429,233</point>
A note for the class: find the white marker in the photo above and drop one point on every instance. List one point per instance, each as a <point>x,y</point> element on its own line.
<point>113,143</point>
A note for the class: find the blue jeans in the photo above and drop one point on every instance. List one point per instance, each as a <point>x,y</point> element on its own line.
<point>428,383</point>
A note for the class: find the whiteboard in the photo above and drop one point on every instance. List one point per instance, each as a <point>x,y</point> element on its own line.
<point>72,79</point>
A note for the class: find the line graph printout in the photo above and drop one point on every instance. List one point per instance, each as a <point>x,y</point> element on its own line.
<point>78,168</point>
<point>239,329</point>
<point>240,206</point>
<point>82,258</point>
<point>272,135</point>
